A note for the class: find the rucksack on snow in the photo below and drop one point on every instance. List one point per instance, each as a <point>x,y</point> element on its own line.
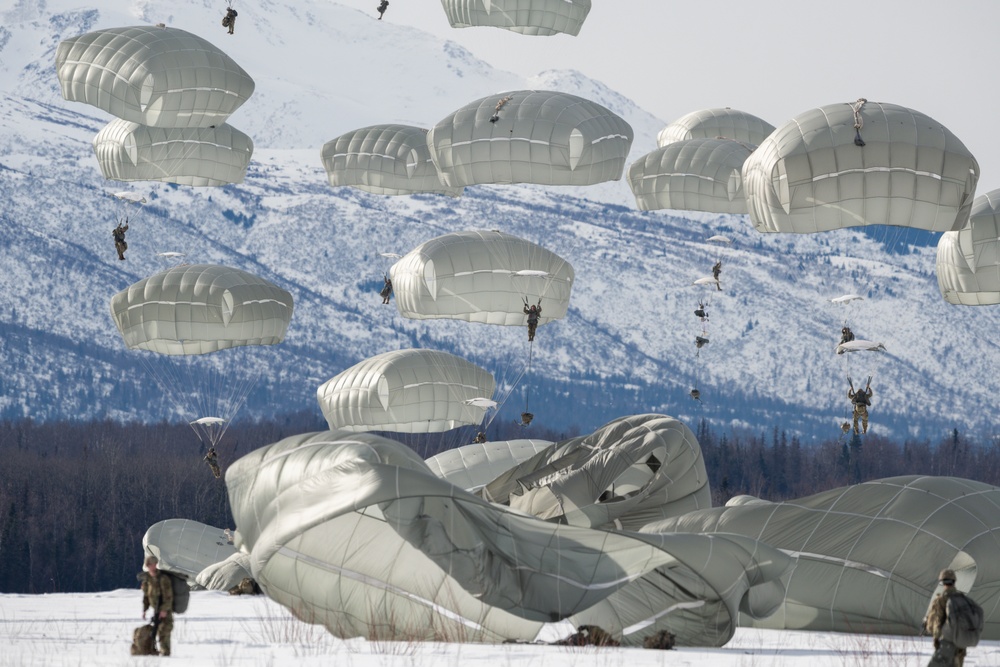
<point>964,624</point>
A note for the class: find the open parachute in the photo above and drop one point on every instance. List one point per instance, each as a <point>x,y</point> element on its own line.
<point>530,136</point>
<point>724,123</point>
<point>867,163</point>
<point>528,17</point>
<point>407,391</point>
<point>968,261</point>
<point>481,276</point>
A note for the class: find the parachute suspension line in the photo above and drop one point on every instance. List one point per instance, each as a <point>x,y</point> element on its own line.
<point>858,121</point>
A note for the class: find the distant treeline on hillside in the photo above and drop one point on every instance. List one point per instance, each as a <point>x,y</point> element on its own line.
<point>77,497</point>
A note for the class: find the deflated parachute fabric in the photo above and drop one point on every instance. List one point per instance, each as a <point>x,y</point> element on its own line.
<point>384,160</point>
<point>186,547</point>
<point>691,175</point>
<point>859,345</point>
<point>198,156</point>
<point>472,466</point>
<point>968,261</point>
<point>481,276</point>
<point>832,167</point>
<point>407,391</point>
<point>162,77</point>
<point>868,556</point>
<point>226,573</point>
<point>355,532</point>
<point>530,136</point>
<point>201,308</point>
<point>528,17</point>
<point>629,472</point>
<point>716,124</point>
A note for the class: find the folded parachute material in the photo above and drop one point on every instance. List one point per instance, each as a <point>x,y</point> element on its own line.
<point>355,532</point>
<point>226,573</point>
<point>867,556</point>
<point>472,466</point>
<point>186,547</point>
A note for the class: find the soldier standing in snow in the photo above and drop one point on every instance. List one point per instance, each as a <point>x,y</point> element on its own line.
<point>158,595</point>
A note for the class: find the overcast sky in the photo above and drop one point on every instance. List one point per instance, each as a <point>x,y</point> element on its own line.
<point>771,58</point>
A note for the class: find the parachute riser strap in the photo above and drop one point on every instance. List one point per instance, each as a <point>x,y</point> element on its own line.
<point>858,121</point>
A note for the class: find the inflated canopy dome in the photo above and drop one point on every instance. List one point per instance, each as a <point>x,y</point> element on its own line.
<point>691,175</point>
<point>163,77</point>
<point>836,167</point>
<point>716,124</point>
<point>408,391</point>
<point>481,276</point>
<point>968,261</point>
<point>186,547</point>
<point>384,160</point>
<point>200,308</point>
<point>530,136</point>
<point>198,156</point>
<point>528,17</point>
<point>868,556</point>
<point>353,531</point>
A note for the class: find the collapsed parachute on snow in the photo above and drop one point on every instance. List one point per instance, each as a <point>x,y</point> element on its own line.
<point>867,556</point>
<point>197,156</point>
<point>201,308</point>
<point>716,124</point>
<point>406,391</point>
<point>869,163</point>
<point>328,519</point>
<point>481,276</point>
<point>968,261</point>
<point>384,160</point>
<point>530,136</point>
<point>187,547</point>
<point>528,17</point>
<point>160,77</point>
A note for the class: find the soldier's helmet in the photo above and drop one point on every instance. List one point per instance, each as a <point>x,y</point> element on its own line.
<point>947,577</point>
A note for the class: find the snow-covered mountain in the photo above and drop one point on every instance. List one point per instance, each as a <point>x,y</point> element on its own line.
<point>627,344</point>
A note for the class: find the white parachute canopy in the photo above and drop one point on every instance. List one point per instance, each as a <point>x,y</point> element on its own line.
<point>481,276</point>
<point>473,466</point>
<point>968,261</point>
<point>869,163</point>
<point>201,308</point>
<point>530,136</point>
<point>186,547</point>
<point>691,175</point>
<point>868,555</point>
<point>407,391</point>
<point>719,238</point>
<point>198,156</point>
<point>724,123</point>
<point>160,77</point>
<point>528,17</point>
<point>336,524</point>
<point>859,345</point>
<point>847,298</point>
<point>384,160</point>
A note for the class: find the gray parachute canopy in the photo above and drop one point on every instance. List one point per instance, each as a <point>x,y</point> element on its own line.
<point>384,160</point>
<point>472,466</point>
<point>355,532</point>
<point>528,17</point>
<point>406,391</point>
<point>186,547</point>
<point>968,261</point>
<point>198,156</point>
<point>481,276</point>
<point>691,175</point>
<point>225,574</point>
<point>869,163</point>
<point>536,136</point>
<point>201,308</point>
<point>868,556</point>
<point>716,124</point>
<point>161,77</point>
<point>626,474</point>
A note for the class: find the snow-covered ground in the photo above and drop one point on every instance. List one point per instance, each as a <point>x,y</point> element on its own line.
<point>220,630</point>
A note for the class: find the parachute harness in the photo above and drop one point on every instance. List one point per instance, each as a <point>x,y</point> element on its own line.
<point>859,122</point>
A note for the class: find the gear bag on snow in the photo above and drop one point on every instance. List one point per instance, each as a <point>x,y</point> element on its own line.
<point>964,624</point>
<point>144,640</point>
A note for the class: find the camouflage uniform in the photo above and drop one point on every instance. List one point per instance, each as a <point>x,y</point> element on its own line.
<point>533,312</point>
<point>119,234</point>
<point>934,624</point>
<point>213,462</point>
<point>716,270</point>
<point>158,594</point>
<point>861,401</point>
<point>229,20</point>
<point>382,6</point>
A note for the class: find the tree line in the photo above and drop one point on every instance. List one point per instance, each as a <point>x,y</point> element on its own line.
<point>77,497</point>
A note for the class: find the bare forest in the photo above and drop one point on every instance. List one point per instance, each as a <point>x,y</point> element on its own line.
<point>77,497</point>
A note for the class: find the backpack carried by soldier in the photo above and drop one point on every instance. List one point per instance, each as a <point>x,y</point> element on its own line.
<point>964,625</point>
<point>181,590</point>
<point>144,640</point>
